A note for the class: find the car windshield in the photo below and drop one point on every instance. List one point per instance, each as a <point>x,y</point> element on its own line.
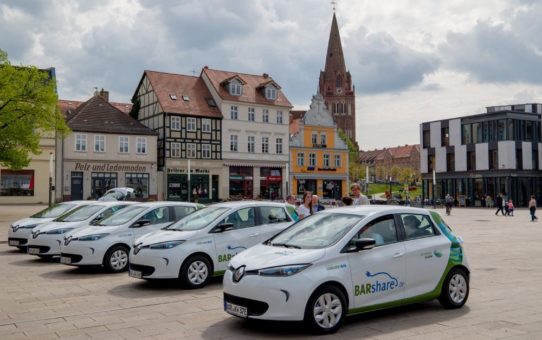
<point>122,216</point>
<point>80,213</point>
<point>316,231</point>
<point>199,219</point>
<point>54,211</point>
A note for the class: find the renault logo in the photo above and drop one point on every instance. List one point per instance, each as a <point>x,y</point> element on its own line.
<point>67,240</point>
<point>137,248</point>
<point>238,274</point>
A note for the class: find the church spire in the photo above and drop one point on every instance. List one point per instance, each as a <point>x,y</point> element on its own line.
<point>334,58</point>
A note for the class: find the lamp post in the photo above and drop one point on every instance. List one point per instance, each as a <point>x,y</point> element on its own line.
<point>189,188</point>
<point>51,155</point>
<point>433,188</point>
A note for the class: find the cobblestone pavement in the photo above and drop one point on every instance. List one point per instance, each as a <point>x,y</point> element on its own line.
<point>44,299</point>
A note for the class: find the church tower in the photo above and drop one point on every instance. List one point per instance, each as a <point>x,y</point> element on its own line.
<point>336,85</point>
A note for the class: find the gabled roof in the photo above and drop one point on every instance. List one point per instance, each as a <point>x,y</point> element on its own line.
<point>97,115</point>
<point>371,156</point>
<point>234,77</point>
<point>251,92</point>
<point>297,114</point>
<point>67,107</point>
<point>403,151</point>
<point>269,82</point>
<point>192,96</point>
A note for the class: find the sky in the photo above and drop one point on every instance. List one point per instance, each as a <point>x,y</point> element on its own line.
<point>411,61</point>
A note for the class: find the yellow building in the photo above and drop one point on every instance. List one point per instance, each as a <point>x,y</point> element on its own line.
<point>318,156</point>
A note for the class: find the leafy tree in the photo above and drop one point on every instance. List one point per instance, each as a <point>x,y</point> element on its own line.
<point>28,110</point>
<point>356,171</point>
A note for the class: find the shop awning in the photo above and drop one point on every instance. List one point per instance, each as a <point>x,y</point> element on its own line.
<point>320,176</point>
<point>260,165</point>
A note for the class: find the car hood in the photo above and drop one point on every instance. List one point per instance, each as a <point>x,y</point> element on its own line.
<point>31,220</point>
<point>262,256</point>
<point>91,230</point>
<point>53,225</point>
<point>164,236</point>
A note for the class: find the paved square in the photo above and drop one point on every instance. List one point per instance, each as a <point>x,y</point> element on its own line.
<point>44,299</point>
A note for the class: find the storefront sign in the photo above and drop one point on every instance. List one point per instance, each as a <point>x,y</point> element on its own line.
<point>109,167</point>
<point>184,171</point>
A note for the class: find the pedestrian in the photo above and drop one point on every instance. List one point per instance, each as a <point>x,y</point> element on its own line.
<point>489,201</point>
<point>347,201</point>
<point>510,208</point>
<point>357,197</point>
<point>499,204</point>
<point>449,201</point>
<point>316,206</point>
<point>305,209</point>
<point>532,208</point>
<point>290,206</point>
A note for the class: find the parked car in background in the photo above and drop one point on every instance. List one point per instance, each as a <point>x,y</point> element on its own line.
<point>108,242</point>
<point>118,194</point>
<point>46,238</point>
<point>20,230</point>
<point>201,244</point>
<point>345,261</point>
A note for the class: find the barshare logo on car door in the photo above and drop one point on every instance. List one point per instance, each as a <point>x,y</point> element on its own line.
<point>379,282</point>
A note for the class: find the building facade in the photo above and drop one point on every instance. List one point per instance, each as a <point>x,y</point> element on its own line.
<point>181,110</point>
<point>255,135</point>
<point>383,162</point>
<point>106,149</point>
<point>499,151</point>
<point>318,156</point>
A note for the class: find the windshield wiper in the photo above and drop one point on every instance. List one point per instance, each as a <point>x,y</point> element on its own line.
<point>285,245</point>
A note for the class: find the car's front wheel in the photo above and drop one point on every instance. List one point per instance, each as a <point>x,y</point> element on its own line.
<point>455,289</point>
<point>195,272</point>
<point>326,310</point>
<point>116,259</point>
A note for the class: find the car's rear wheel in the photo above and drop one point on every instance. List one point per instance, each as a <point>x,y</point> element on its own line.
<point>116,259</point>
<point>326,310</point>
<point>455,289</point>
<point>195,272</point>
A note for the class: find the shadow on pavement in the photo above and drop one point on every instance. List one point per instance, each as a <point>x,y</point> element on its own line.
<point>154,288</point>
<point>70,273</point>
<point>34,261</point>
<point>12,251</point>
<point>377,323</point>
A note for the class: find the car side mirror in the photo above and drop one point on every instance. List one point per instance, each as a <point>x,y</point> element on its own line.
<point>140,223</point>
<point>361,244</point>
<point>222,228</point>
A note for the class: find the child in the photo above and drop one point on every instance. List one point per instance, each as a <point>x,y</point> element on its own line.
<point>510,208</point>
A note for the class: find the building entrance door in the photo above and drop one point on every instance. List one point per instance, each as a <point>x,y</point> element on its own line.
<point>214,180</point>
<point>76,186</point>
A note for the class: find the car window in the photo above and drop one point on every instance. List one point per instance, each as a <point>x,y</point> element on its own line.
<point>273,215</point>
<point>381,229</point>
<point>417,226</point>
<point>181,212</point>
<point>53,211</point>
<point>242,218</point>
<point>109,211</point>
<point>79,214</point>
<point>157,216</point>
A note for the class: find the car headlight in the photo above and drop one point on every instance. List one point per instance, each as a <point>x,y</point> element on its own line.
<point>165,245</point>
<point>57,231</point>
<point>92,237</point>
<point>17,227</point>
<point>283,270</point>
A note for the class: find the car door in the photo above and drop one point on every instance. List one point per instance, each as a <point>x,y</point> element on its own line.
<point>378,274</point>
<point>158,218</point>
<point>231,242</point>
<point>427,253</point>
<point>273,220</point>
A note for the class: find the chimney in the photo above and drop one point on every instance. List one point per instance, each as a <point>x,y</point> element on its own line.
<point>104,94</point>
<point>265,75</point>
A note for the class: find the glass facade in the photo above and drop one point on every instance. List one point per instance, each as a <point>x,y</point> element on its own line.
<point>17,183</point>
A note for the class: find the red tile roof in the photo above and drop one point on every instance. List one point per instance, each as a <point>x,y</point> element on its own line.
<point>68,106</point>
<point>182,86</point>
<point>297,114</point>
<point>402,151</point>
<point>251,91</point>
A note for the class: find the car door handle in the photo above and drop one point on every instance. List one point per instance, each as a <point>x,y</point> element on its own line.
<point>396,255</point>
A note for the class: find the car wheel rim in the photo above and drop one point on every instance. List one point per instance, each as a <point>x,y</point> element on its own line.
<point>328,310</point>
<point>119,259</point>
<point>457,288</point>
<point>197,272</point>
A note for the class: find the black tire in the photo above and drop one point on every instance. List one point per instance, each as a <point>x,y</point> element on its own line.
<point>455,289</point>
<point>195,272</point>
<point>116,259</point>
<point>310,319</point>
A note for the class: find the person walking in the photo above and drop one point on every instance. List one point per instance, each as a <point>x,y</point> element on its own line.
<point>449,201</point>
<point>499,204</point>
<point>357,197</point>
<point>510,208</point>
<point>305,209</point>
<point>532,208</point>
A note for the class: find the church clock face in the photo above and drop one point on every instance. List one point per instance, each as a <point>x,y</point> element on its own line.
<point>339,90</point>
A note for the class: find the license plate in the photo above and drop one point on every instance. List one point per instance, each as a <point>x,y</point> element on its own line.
<point>236,309</point>
<point>13,242</point>
<point>33,250</point>
<point>65,260</point>
<point>135,273</point>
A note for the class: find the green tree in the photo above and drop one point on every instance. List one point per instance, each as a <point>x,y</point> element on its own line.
<point>355,170</point>
<point>28,109</point>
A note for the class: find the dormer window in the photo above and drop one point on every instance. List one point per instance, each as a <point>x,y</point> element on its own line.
<point>236,89</point>
<point>270,93</point>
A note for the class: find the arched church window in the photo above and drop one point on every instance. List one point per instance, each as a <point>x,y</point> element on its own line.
<point>339,81</point>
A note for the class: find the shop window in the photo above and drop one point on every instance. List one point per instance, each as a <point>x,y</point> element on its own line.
<point>140,183</point>
<point>17,183</point>
<point>271,183</point>
<point>101,182</point>
<point>241,182</point>
<point>332,189</point>
<point>304,185</point>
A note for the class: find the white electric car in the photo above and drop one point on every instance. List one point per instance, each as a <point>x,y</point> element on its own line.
<point>345,261</point>
<point>201,244</point>
<point>108,242</point>
<point>46,238</point>
<point>20,230</point>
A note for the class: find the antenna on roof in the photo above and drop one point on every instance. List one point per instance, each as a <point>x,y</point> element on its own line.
<point>193,72</point>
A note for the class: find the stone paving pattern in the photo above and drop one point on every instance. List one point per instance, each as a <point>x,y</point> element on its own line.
<point>44,299</point>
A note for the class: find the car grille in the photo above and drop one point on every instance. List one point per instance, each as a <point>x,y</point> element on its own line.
<point>254,307</point>
<point>22,241</point>
<point>43,249</point>
<point>74,258</point>
<point>145,270</point>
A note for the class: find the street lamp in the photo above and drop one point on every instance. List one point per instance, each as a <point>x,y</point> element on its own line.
<point>433,188</point>
<point>51,188</point>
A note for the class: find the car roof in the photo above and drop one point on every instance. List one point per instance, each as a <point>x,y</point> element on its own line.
<point>239,204</point>
<point>78,202</point>
<point>366,210</point>
<point>113,203</point>
<point>162,203</point>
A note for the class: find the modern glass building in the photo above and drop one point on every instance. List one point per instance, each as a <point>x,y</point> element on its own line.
<point>470,157</point>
